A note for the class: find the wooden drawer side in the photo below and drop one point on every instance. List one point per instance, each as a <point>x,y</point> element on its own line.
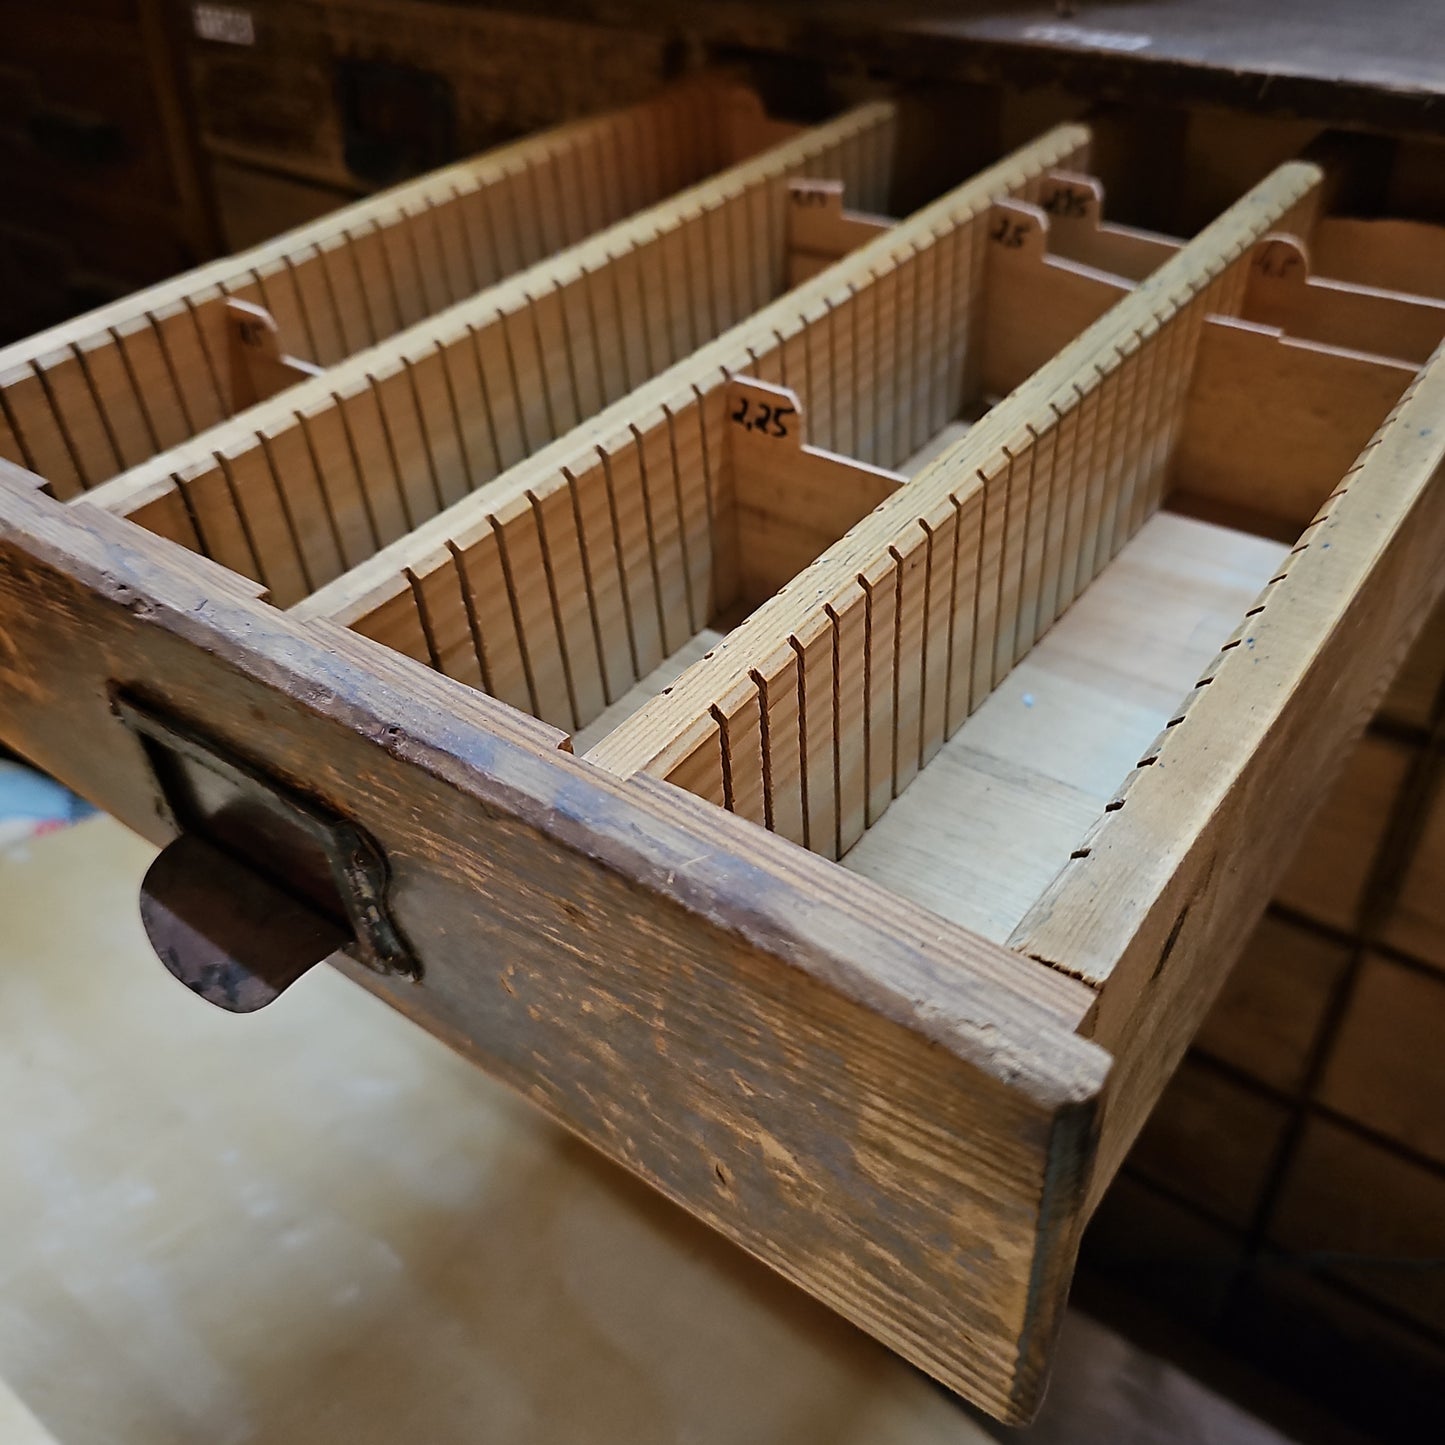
<point>1202,830</point>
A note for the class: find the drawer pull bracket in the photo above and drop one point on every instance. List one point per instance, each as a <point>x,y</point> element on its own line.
<point>262,882</point>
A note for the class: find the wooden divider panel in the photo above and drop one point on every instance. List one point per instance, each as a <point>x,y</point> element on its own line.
<point>932,598</point>
<point>821,230</point>
<point>1037,300</point>
<point>107,391</point>
<point>1397,255</point>
<point>1074,204</point>
<point>1272,422</point>
<point>1283,293</point>
<point>793,501</point>
<point>298,490</point>
<point>636,517</point>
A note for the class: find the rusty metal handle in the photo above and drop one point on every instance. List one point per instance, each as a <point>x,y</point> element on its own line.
<point>227,933</point>
<point>263,882</point>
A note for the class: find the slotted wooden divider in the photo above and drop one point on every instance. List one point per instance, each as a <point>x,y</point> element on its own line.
<point>294,492</point>
<point>1366,285</point>
<point>892,638</point>
<point>107,391</point>
<point>574,576</point>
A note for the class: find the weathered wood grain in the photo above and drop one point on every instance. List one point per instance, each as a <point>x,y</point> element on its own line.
<point>885,1109</point>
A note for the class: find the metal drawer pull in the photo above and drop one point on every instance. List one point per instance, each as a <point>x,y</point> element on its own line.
<point>262,883</point>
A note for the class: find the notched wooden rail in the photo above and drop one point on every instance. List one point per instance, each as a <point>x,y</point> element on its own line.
<point>296,492</point>
<point>107,392</point>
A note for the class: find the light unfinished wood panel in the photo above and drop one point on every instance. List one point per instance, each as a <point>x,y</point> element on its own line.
<point>1273,423</point>
<point>980,835</point>
<point>1037,300</point>
<point>820,230</point>
<point>1336,854</point>
<point>1396,254</point>
<point>1268,1015</point>
<point>1283,293</point>
<point>1074,204</point>
<point>792,501</point>
<point>1386,1069</point>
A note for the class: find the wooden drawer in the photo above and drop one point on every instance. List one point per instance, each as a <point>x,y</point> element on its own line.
<point>121,387</point>
<point>815,828</point>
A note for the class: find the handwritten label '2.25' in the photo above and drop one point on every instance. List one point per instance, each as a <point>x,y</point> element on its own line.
<point>771,421</point>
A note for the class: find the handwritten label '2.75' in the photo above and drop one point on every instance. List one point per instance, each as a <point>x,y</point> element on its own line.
<point>770,420</point>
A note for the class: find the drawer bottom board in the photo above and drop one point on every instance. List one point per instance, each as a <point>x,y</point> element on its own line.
<point>983,832</point>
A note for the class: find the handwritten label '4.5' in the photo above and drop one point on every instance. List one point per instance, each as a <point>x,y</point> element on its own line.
<point>763,417</point>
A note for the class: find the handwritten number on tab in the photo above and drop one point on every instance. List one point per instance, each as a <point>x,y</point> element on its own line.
<point>1065,201</point>
<point>766,418</point>
<point>1009,232</point>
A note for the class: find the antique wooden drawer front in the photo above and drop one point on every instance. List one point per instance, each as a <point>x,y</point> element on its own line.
<point>782,777</point>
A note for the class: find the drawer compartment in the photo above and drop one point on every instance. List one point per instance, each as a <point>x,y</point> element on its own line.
<point>1376,286</point>
<point>108,391</point>
<point>871,935</point>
